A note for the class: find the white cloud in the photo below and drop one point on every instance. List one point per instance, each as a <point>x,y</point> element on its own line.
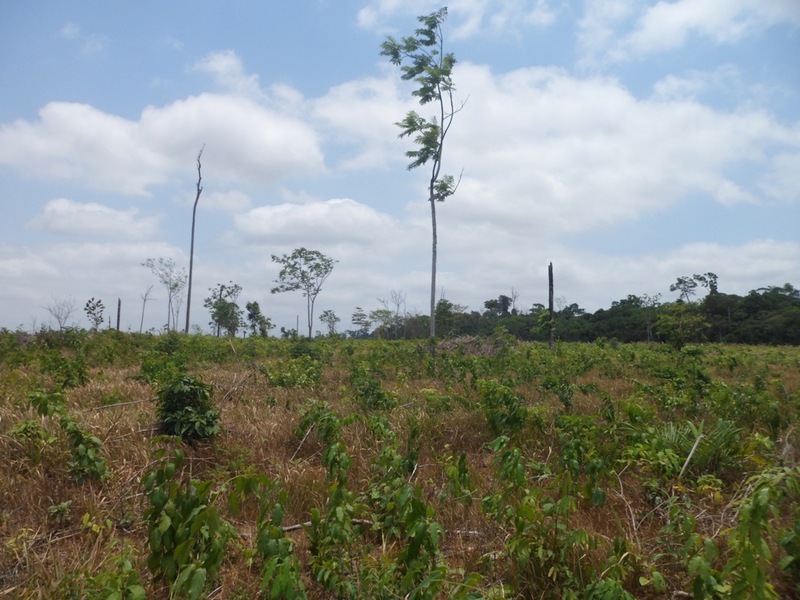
<point>76,142</point>
<point>364,112</point>
<point>34,276</point>
<point>666,26</point>
<point>73,218</point>
<point>548,153</point>
<point>228,72</point>
<point>598,26</point>
<point>695,84</point>
<point>232,201</point>
<point>781,179</point>
<point>769,261</point>
<point>467,17</point>
<point>336,222</point>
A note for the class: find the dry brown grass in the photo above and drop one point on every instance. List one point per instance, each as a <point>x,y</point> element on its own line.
<point>46,551</point>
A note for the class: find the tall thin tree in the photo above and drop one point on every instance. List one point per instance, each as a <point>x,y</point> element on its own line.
<point>552,319</point>
<point>421,58</point>
<point>191,248</point>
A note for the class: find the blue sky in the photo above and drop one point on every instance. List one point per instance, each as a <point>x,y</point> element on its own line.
<point>628,142</point>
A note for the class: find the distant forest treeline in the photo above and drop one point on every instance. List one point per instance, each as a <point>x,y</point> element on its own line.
<point>768,315</point>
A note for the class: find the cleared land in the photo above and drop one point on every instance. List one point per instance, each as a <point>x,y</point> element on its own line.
<point>481,468</point>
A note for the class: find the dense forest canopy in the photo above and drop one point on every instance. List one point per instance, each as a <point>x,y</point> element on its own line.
<point>769,315</point>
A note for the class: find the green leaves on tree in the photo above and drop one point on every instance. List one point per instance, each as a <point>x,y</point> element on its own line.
<point>303,270</point>
<point>422,59</point>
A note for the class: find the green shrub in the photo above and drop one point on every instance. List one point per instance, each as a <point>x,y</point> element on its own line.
<point>87,461</point>
<point>185,409</point>
<point>118,581</point>
<point>303,371</point>
<point>68,373</point>
<point>159,367</point>
<point>305,347</point>
<point>503,408</point>
<point>368,391</point>
<point>33,438</point>
<point>280,575</point>
<point>187,535</point>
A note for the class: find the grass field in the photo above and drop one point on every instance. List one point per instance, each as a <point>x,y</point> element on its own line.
<point>478,468</point>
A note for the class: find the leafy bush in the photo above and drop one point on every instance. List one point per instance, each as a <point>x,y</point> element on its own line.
<point>504,409</point>
<point>187,535</point>
<point>87,461</point>
<point>307,348</point>
<point>33,438</point>
<point>319,415</point>
<point>547,554</point>
<point>68,373</point>
<point>119,581</point>
<point>303,371</point>
<point>280,575</point>
<point>159,367</point>
<point>368,391</point>
<point>185,409</point>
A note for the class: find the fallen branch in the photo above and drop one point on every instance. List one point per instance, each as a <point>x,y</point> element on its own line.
<point>118,404</point>
<point>303,440</point>
<point>688,458</point>
<point>234,388</point>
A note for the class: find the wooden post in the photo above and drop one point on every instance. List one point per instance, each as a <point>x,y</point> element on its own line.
<point>552,312</point>
<point>119,310</point>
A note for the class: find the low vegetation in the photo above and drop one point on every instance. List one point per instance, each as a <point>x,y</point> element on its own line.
<point>138,466</point>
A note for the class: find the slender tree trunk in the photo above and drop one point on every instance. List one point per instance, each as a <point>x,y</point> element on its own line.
<point>191,248</point>
<point>219,302</point>
<point>433,267</point>
<point>119,311</point>
<point>310,315</point>
<point>552,312</point>
<point>145,296</point>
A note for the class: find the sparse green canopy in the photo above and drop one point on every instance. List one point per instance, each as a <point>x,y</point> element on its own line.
<point>422,59</point>
<point>304,270</point>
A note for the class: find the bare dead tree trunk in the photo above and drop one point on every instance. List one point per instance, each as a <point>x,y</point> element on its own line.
<point>191,248</point>
<point>119,311</point>
<point>552,312</point>
<point>145,296</point>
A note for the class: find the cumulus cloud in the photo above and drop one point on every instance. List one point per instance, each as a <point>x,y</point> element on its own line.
<point>233,201</point>
<point>548,153</point>
<point>624,29</point>
<point>361,115</point>
<point>68,217</point>
<point>228,72</point>
<point>76,142</point>
<point>666,26</point>
<point>340,221</point>
<point>780,181</point>
<point>545,153</point>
